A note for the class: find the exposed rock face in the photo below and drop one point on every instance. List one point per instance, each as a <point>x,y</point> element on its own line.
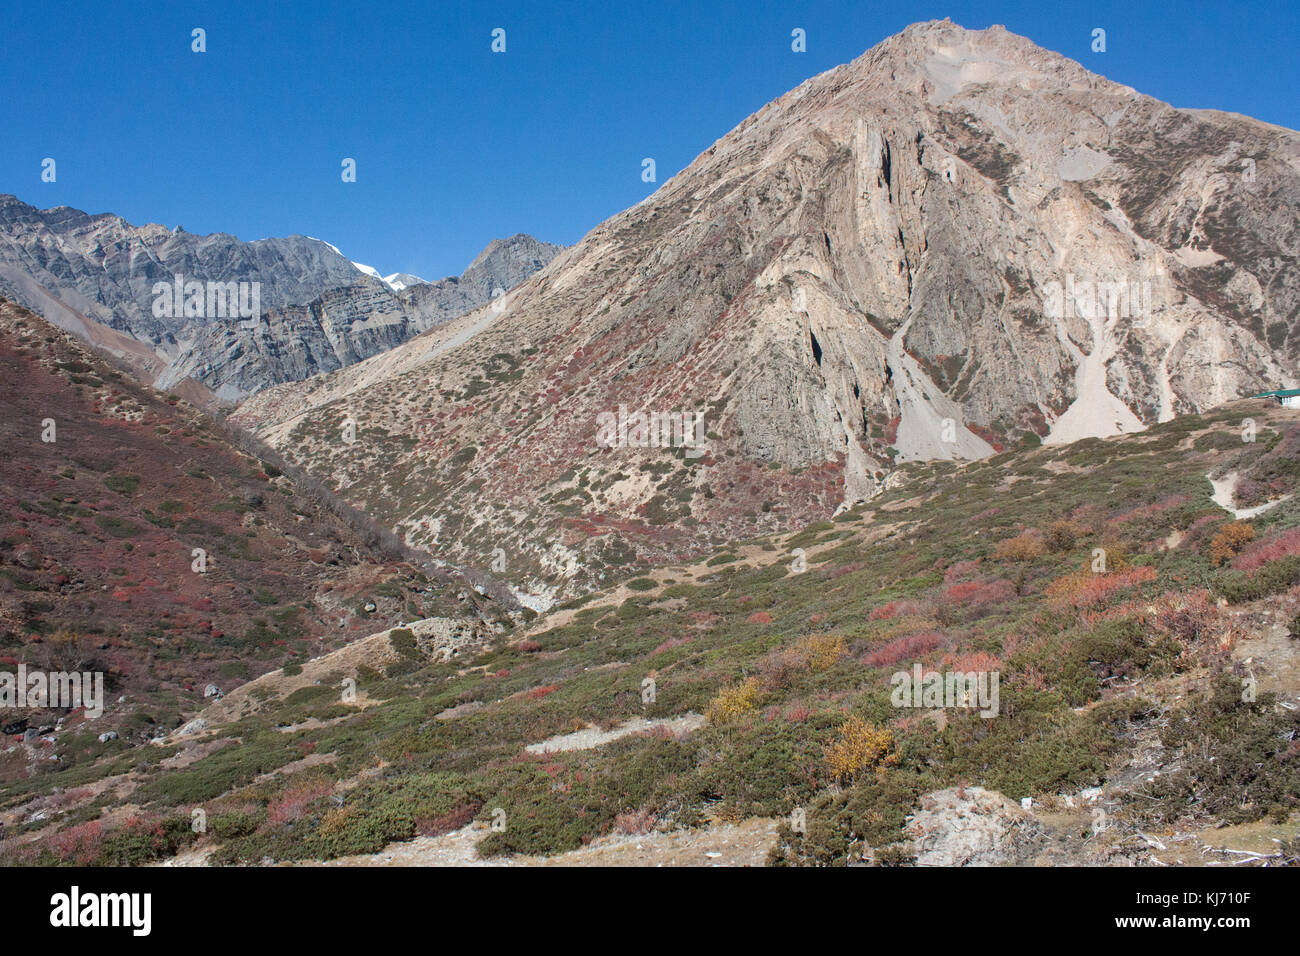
<point>104,269</point>
<point>954,241</point>
<point>972,827</point>
<point>95,275</point>
<point>442,638</point>
<point>344,326</point>
<point>498,268</point>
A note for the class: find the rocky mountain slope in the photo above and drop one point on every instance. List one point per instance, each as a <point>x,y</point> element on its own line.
<point>95,275</point>
<point>345,325</point>
<point>139,539</point>
<point>954,244</point>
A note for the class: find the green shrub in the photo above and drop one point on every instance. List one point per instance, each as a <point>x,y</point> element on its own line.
<point>839,827</point>
<point>140,842</point>
<point>402,640</point>
<point>118,527</point>
<point>1236,761</point>
<point>1238,587</point>
<point>232,766</point>
<point>122,484</point>
<point>234,824</point>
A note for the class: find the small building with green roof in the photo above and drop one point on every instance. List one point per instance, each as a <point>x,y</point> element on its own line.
<point>1286,397</point>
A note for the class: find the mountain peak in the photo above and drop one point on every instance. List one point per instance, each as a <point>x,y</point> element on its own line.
<point>955,244</point>
<point>518,244</point>
<point>940,59</point>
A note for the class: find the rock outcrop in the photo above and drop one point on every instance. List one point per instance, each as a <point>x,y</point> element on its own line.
<point>972,826</point>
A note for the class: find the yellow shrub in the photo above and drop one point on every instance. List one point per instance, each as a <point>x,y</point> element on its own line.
<point>821,651</point>
<point>734,702</point>
<point>335,820</point>
<point>1023,547</point>
<point>1232,537</point>
<point>860,746</point>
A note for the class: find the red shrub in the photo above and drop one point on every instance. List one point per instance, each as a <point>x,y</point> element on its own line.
<point>639,822</point>
<point>1187,617</point>
<point>891,430</point>
<point>1251,491</point>
<point>669,644</point>
<point>846,569</point>
<point>979,593</point>
<point>958,593</point>
<point>1085,591</point>
<point>972,599</point>
<point>462,816</point>
<point>961,571</point>
<point>79,844</point>
<point>884,612</point>
<point>895,609</point>
<point>965,663</point>
<point>1283,544</point>
<point>903,648</point>
<point>1200,529</point>
<point>1167,503</point>
<point>293,802</point>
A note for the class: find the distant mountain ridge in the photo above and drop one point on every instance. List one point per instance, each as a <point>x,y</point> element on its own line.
<point>94,275</point>
<point>343,326</point>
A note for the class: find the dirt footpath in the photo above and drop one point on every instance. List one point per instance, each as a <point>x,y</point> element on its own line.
<point>742,844</point>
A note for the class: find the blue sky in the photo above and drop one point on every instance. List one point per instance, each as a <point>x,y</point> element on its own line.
<point>456,145</point>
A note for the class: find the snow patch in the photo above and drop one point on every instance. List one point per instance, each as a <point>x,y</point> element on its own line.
<point>323,243</point>
<point>397,281</point>
<point>402,280</point>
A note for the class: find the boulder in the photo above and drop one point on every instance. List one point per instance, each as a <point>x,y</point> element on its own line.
<point>193,727</point>
<point>971,826</point>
